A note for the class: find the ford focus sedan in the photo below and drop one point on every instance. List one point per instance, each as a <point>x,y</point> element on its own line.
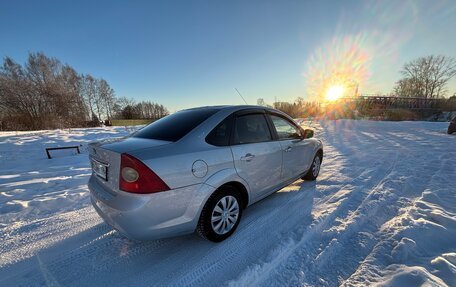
<point>197,169</point>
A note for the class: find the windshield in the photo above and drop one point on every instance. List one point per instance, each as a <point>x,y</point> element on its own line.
<point>175,126</point>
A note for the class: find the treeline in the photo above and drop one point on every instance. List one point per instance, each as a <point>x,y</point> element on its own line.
<point>47,94</point>
<point>129,109</point>
<point>297,109</point>
<point>370,107</point>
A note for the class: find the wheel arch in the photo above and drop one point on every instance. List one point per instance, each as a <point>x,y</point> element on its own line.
<point>229,177</point>
<point>242,190</point>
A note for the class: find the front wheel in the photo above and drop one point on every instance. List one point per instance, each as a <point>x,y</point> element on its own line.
<point>314,170</point>
<point>220,215</point>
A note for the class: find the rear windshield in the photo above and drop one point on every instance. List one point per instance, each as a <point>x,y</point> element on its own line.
<point>175,126</point>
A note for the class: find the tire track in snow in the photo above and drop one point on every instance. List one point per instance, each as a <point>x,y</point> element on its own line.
<point>375,210</point>
<point>259,273</point>
<point>372,209</point>
<point>97,252</point>
<point>322,256</point>
<point>19,242</point>
<point>384,242</point>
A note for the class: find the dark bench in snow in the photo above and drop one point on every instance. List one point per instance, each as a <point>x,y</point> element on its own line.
<point>57,148</point>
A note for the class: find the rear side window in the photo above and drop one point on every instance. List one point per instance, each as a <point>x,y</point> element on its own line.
<point>175,126</point>
<point>220,135</point>
<point>251,128</point>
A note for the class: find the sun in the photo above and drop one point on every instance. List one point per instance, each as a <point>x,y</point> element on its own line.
<point>334,93</point>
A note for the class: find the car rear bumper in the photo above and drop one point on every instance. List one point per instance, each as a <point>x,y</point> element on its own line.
<point>150,216</point>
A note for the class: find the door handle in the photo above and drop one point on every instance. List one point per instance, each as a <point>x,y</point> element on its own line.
<point>247,157</point>
<point>288,149</point>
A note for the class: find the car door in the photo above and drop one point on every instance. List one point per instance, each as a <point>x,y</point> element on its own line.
<point>296,150</point>
<point>257,158</point>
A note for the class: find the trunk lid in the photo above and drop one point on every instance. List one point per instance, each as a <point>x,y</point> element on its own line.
<point>108,153</point>
<point>121,145</point>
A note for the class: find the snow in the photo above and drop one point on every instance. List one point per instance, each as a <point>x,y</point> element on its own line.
<point>382,213</point>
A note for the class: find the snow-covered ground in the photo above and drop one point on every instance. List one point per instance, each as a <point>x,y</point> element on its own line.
<point>383,212</point>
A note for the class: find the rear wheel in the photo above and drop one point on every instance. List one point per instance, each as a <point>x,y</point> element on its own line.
<point>314,170</point>
<point>220,215</point>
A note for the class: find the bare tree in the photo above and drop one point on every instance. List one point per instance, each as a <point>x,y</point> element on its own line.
<point>16,96</point>
<point>106,95</point>
<point>87,91</point>
<point>406,87</point>
<point>98,96</point>
<point>426,77</point>
<point>46,94</point>
<point>42,94</point>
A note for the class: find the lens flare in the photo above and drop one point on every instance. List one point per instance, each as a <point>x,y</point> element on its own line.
<point>360,58</point>
<point>338,69</point>
<point>334,93</point>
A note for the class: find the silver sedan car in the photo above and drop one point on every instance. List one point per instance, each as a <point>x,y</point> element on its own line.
<point>197,169</point>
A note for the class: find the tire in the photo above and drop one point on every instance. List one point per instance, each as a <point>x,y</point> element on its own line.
<point>221,229</point>
<point>314,169</point>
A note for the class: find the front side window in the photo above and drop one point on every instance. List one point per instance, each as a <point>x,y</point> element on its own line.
<point>251,128</point>
<point>285,129</point>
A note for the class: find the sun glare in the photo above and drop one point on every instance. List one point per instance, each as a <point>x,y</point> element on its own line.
<point>334,93</point>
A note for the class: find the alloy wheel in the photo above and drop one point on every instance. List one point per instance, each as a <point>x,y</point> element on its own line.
<point>225,214</point>
<point>316,166</point>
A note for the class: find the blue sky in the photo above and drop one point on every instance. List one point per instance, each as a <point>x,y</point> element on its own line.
<point>191,53</point>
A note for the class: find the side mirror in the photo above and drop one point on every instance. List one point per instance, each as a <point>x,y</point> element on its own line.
<point>308,133</point>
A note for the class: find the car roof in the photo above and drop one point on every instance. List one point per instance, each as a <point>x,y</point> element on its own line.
<point>233,107</point>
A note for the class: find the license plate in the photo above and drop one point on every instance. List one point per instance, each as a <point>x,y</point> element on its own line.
<point>100,169</point>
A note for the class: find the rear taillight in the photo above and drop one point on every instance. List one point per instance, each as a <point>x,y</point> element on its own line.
<point>136,177</point>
